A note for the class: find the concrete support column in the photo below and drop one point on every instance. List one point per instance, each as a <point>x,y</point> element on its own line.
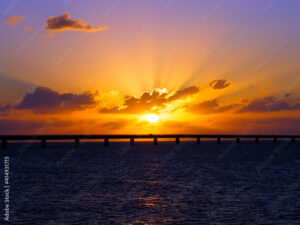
<point>4,144</point>
<point>77,142</point>
<point>43,143</point>
<point>131,141</point>
<point>155,141</point>
<point>106,142</point>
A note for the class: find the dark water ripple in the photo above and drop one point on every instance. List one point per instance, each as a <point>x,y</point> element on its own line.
<point>247,183</point>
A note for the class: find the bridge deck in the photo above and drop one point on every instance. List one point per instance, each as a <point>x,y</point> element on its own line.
<point>128,136</point>
<point>43,138</point>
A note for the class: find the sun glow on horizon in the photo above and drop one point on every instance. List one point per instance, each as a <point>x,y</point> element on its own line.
<point>152,118</point>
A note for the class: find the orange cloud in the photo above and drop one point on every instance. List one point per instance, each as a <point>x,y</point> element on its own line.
<point>64,22</point>
<point>149,100</point>
<point>219,84</point>
<point>187,127</point>
<point>114,125</point>
<point>267,85</point>
<point>184,93</point>
<point>13,21</point>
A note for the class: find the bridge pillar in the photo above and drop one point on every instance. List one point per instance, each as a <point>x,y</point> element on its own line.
<point>238,140</point>
<point>275,139</point>
<point>219,140</point>
<point>4,144</point>
<point>198,140</point>
<point>43,143</point>
<point>77,142</point>
<point>131,141</point>
<point>177,140</point>
<point>257,140</point>
<point>106,142</point>
<point>155,141</point>
<point>293,139</point>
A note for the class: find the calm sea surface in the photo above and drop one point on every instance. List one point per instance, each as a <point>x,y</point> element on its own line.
<point>210,183</point>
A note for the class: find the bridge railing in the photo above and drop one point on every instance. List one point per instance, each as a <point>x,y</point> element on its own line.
<point>43,138</point>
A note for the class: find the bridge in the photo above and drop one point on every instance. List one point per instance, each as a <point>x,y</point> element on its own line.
<point>131,138</point>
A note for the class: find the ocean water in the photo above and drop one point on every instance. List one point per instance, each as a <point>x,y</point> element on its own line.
<point>210,183</point>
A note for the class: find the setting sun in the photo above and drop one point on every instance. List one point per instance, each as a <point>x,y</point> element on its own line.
<point>152,118</point>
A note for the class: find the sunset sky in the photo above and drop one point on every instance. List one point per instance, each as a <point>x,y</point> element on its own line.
<point>169,66</point>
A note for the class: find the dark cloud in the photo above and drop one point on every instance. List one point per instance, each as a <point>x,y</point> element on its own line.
<point>211,107</point>
<point>219,84</point>
<point>44,100</point>
<point>269,104</point>
<point>64,22</point>
<point>149,100</point>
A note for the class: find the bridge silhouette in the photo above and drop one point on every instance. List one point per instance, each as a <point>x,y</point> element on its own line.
<point>44,138</point>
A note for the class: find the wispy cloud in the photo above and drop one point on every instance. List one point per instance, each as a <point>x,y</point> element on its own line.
<point>27,28</point>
